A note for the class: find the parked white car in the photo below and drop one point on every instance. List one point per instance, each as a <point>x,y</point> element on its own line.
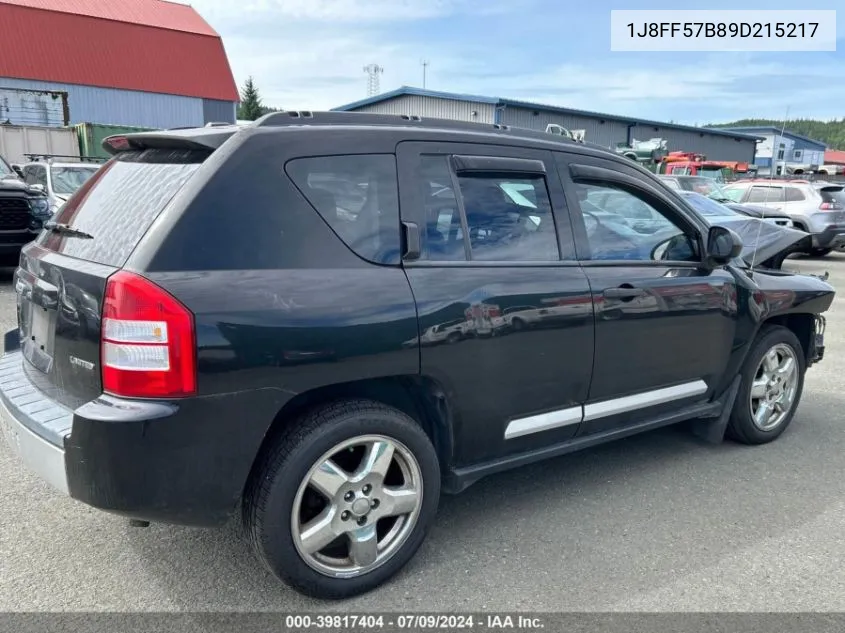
<point>817,208</point>
<point>59,180</point>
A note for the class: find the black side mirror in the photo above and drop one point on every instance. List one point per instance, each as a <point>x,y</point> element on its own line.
<point>723,245</point>
<point>18,170</point>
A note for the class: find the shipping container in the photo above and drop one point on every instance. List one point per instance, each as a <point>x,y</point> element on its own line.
<point>16,141</point>
<point>91,136</point>
<point>19,106</point>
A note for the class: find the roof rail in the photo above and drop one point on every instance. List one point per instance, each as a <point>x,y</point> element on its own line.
<point>307,117</point>
<point>36,158</point>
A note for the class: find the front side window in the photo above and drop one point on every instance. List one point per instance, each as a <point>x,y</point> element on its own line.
<point>358,198</point>
<point>614,233</point>
<point>765,194</point>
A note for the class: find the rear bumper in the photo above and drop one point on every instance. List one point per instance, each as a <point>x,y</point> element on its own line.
<point>829,238</point>
<point>41,456</point>
<point>185,463</point>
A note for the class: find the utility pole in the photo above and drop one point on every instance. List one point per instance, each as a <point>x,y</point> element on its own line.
<point>373,71</point>
<point>424,63</point>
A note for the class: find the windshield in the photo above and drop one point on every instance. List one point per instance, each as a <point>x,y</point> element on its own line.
<point>66,180</point>
<point>707,206</point>
<point>706,187</point>
<point>5,170</point>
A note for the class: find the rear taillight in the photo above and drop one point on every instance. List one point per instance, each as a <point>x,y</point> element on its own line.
<point>148,345</point>
<point>830,206</point>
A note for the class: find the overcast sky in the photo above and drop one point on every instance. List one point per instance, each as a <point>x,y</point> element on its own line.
<point>310,54</point>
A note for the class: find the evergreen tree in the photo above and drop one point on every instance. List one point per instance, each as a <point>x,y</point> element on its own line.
<point>250,107</point>
<point>830,132</point>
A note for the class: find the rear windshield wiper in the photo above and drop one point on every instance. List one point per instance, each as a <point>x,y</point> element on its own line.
<point>64,229</point>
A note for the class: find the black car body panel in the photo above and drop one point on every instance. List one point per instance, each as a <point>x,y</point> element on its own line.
<point>503,362</point>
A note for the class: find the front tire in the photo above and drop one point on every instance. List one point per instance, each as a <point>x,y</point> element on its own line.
<point>343,499</point>
<point>772,383</point>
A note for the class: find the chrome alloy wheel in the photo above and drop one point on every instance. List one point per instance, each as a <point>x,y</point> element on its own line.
<point>356,506</point>
<point>774,388</point>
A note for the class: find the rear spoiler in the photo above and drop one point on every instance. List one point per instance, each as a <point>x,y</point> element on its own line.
<point>207,138</point>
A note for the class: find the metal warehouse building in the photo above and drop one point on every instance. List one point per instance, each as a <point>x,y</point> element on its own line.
<point>145,63</point>
<point>602,129</point>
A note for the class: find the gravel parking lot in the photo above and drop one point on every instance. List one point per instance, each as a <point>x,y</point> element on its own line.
<point>659,522</point>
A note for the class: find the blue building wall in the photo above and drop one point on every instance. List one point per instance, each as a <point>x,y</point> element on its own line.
<point>89,104</point>
<point>218,111</point>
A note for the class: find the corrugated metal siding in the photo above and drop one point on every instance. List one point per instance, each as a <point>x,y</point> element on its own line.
<point>121,107</point>
<point>32,107</point>
<point>218,111</point>
<point>434,108</point>
<point>78,49</point>
<point>18,141</point>
<point>713,146</point>
<point>168,15</point>
<point>606,133</point>
<point>609,133</point>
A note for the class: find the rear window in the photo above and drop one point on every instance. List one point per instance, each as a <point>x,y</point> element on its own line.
<point>358,197</point>
<point>119,203</point>
<point>833,194</point>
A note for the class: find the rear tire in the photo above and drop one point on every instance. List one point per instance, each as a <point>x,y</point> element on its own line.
<point>768,379</point>
<point>318,509</point>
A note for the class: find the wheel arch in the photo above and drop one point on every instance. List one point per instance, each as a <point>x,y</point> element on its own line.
<point>420,397</point>
<point>801,324</point>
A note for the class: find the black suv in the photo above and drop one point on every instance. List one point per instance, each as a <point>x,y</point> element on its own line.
<point>246,320</point>
<point>23,210</point>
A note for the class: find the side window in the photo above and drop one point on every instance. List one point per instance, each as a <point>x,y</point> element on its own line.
<point>616,233</point>
<point>793,194</point>
<point>358,197</point>
<point>765,194</point>
<point>41,176</point>
<point>733,194</point>
<point>443,237</point>
<point>509,218</point>
<point>29,175</point>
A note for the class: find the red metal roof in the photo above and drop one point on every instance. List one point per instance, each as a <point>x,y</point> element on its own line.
<point>159,13</point>
<point>146,45</point>
<point>834,156</point>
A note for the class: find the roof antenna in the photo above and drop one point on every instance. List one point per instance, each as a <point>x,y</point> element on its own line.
<point>771,180</point>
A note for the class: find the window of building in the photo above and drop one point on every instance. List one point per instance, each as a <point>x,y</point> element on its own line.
<point>780,154</point>
<point>765,194</point>
<point>624,226</point>
<point>358,197</point>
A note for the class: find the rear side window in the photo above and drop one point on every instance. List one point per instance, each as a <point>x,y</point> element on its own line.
<point>765,194</point>
<point>793,194</point>
<point>358,197</point>
<point>120,202</point>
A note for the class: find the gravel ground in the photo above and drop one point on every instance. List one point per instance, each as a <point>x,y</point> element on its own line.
<point>659,522</point>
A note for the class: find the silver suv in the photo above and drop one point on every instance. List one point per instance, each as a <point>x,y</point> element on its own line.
<point>815,207</point>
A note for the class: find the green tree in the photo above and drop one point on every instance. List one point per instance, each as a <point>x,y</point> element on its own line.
<point>250,107</point>
<point>831,132</point>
